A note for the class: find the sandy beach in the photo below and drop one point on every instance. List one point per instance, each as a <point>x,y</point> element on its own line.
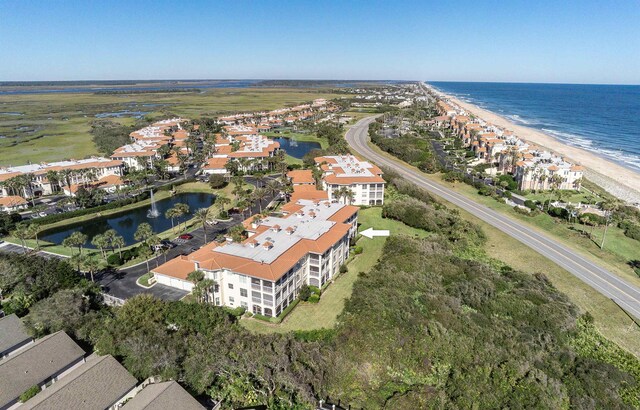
<point>621,182</point>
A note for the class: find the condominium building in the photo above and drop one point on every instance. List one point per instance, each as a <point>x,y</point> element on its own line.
<point>306,244</point>
<point>349,180</point>
<point>533,169</point>
<point>68,173</point>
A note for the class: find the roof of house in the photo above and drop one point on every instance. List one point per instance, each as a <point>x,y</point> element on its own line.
<point>163,396</point>
<point>12,333</point>
<point>35,364</point>
<point>99,383</point>
<point>12,200</point>
<point>301,176</point>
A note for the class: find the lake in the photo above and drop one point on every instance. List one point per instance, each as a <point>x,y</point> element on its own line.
<point>127,222</point>
<point>297,149</point>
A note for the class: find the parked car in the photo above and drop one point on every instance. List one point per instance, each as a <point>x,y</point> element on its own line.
<point>168,244</point>
<point>186,236</point>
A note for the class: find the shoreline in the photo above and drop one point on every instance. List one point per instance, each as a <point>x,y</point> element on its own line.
<point>618,180</point>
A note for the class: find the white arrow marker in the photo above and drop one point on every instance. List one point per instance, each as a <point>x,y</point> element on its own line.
<point>370,233</point>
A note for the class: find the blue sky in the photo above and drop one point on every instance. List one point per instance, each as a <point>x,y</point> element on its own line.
<point>522,41</point>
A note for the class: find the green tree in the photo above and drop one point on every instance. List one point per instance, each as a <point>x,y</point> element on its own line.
<point>76,239</point>
<point>204,216</point>
<point>143,233</point>
<point>23,233</point>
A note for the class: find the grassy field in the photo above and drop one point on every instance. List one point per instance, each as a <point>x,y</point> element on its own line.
<point>609,319</point>
<point>50,127</point>
<point>618,250</point>
<point>308,316</point>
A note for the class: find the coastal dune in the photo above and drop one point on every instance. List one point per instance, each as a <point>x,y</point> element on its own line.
<point>619,181</point>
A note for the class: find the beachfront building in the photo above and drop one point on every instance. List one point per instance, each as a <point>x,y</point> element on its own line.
<point>541,170</point>
<point>35,180</point>
<point>263,273</point>
<point>532,168</point>
<point>348,179</point>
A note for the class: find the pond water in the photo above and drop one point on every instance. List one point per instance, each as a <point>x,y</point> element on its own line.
<point>127,222</point>
<point>123,113</point>
<point>297,149</point>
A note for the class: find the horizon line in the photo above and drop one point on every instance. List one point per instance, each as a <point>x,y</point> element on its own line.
<point>9,82</point>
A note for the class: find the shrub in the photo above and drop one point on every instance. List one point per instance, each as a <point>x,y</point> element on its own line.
<point>315,289</point>
<point>530,204</point>
<point>558,212</point>
<point>237,312</point>
<point>631,229</point>
<point>217,181</point>
<point>223,214</point>
<point>357,250</point>
<point>315,298</point>
<point>29,393</point>
<point>114,259</point>
<point>305,293</point>
<point>344,269</point>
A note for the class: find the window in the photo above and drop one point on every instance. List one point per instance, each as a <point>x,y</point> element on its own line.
<point>242,279</point>
<point>244,304</point>
<point>231,286</point>
<point>243,292</point>
<point>231,300</point>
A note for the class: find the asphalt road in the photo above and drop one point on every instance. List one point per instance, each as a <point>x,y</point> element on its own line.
<point>608,284</point>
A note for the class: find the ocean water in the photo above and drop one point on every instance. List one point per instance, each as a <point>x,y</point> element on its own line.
<point>604,119</point>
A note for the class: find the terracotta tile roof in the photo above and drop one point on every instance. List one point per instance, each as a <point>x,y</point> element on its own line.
<point>301,176</point>
<point>12,200</point>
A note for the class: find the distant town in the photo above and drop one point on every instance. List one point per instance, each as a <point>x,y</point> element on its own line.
<point>255,219</point>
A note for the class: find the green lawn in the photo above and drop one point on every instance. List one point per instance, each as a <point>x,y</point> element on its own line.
<point>54,126</point>
<point>309,316</point>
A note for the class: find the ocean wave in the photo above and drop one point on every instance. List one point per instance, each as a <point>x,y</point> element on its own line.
<point>625,158</point>
<point>519,119</point>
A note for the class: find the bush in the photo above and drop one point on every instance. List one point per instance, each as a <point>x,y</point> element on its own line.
<point>314,298</point>
<point>530,204</point>
<point>217,181</point>
<point>223,214</point>
<point>315,289</point>
<point>305,293</point>
<point>558,212</point>
<point>631,229</point>
<point>344,269</point>
<point>357,250</point>
<point>114,259</point>
<point>236,312</point>
<point>29,393</point>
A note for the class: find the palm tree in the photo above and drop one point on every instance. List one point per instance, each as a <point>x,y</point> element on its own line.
<point>273,187</point>
<point>171,214</point>
<point>67,175</point>
<point>316,172</point>
<point>204,216</point>
<point>184,210</point>
<point>76,239</point>
<point>143,233</point>
<point>101,242</point>
<point>118,242</point>
<point>22,233</point>
<point>222,201</point>
<point>259,194</point>
<point>91,264</point>
<point>54,180</point>
<point>259,176</point>
<point>34,230</point>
